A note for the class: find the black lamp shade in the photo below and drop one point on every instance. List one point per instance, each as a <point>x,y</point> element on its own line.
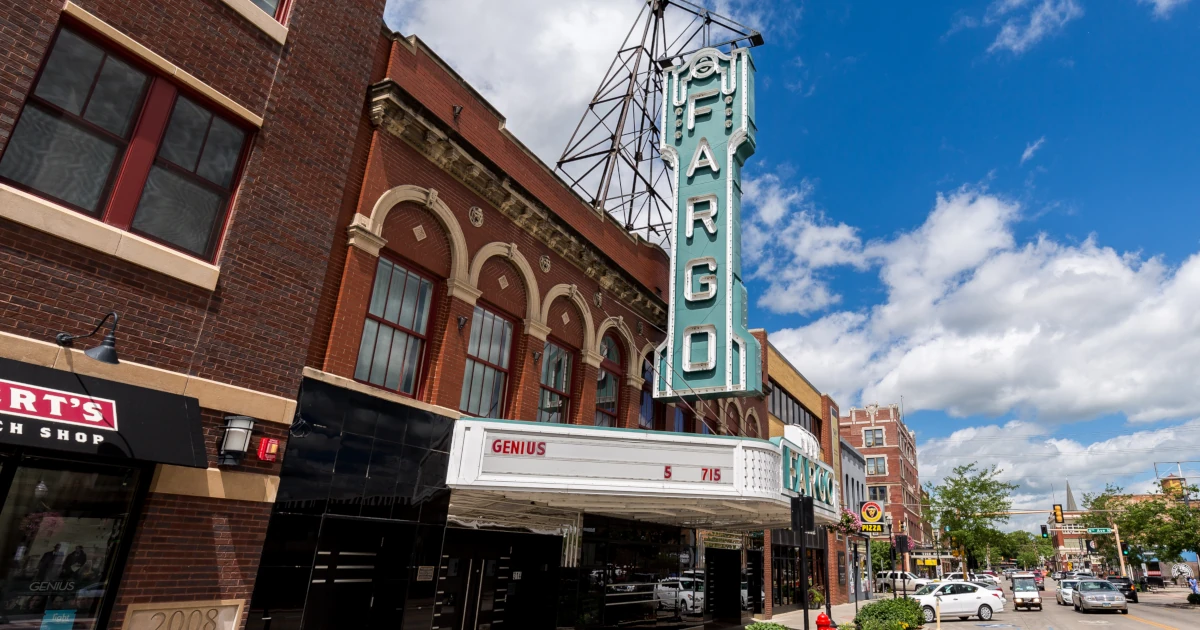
<point>106,352</point>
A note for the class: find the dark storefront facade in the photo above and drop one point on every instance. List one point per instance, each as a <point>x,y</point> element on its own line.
<point>76,459</point>
<point>788,576</point>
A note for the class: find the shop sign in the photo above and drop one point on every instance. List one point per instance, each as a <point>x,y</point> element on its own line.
<point>808,477</point>
<point>871,516</point>
<point>55,409</point>
<point>708,133</point>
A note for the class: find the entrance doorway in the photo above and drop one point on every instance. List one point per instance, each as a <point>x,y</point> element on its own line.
<point>492,580</point>
<point>723,570</point>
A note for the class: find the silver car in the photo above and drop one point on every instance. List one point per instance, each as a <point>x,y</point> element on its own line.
<point>1064,591</point>
<point>1092,595</point>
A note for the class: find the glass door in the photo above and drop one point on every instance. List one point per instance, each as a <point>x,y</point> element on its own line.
<point>61,528</point>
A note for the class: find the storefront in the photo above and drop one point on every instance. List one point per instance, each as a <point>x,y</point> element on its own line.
<point>77,455</point>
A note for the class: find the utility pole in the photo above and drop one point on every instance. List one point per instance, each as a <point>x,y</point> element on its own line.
<point>1120,553</point>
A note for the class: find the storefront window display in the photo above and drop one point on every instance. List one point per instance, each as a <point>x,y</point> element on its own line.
<point>61,527</point>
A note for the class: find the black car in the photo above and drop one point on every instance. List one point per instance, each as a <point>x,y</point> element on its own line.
<point>1125,585</point>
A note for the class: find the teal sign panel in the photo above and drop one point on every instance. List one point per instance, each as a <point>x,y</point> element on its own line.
<point>707,134</point>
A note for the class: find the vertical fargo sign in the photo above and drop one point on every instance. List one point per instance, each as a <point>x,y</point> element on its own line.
<point>707,134</point>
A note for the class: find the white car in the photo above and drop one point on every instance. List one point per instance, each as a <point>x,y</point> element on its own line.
<point>958,599</point>
<point>762,596</point>
<point>898,581</point>
<point>1064,591</point>
<point>683,594</point>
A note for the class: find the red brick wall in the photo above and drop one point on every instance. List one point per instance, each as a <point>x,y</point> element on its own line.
<point>190,548</point>
<point>432,253</point>
<point>896,439</point>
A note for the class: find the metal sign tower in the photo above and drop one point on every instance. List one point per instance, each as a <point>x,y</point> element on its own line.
<point>612,159</point>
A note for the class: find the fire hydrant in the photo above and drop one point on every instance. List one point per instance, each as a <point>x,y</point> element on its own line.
<point>823,622</point>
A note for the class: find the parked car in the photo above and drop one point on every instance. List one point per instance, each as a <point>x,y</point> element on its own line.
<point>959,576</point>
<point>1040,578</point>
<point>1026,594</point>
<point>1062,593</point>
<point>1125,585</point>
<point>762,596</point>
<point>1057,575</point>
<point>898,581</point>
<point>958,599</point>
<point>683,594</point>
<point>991,585</point>
<point>1092,595</point>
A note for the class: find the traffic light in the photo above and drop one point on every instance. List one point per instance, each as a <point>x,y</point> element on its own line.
<point>902,544</point>
<point>1058,515</point>
<point>1124,549</point>
<point>1045,532</point>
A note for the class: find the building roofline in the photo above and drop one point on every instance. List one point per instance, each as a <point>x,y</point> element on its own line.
<point>794,369</point>
<point>849,448</point>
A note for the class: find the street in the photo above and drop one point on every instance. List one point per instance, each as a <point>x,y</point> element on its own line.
<point>1154,610</point>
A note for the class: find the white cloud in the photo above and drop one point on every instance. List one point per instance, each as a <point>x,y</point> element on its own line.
<point>1032,148</point>
<point>1024,26</point>
<point>1041,465</point>
<point>975,322</point>
<point>787,240</point>
<point>1164,8</point>
<point>540,62</point>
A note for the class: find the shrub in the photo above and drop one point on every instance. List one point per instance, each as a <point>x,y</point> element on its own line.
<point>765,625</point>
<point>885,624</point>
<point>1193,598</point>
<point>903,610</point>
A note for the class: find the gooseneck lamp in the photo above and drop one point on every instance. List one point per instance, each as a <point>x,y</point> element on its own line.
<point>106,352</point>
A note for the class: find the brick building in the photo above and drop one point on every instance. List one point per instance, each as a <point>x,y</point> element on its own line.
<point>165,161</point>
<point>890,448</point>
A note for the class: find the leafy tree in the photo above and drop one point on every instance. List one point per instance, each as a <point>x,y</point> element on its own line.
<point>881,556</point>
<point>972,501</point>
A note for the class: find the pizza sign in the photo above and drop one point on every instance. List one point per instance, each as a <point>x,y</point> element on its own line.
<point>871,515</point>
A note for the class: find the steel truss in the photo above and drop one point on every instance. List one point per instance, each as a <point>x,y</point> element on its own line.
<point>612,159</point>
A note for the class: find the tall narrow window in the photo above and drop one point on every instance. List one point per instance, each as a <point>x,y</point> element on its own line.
<point>485,383</point>
<point>651,412</point>
<point>75,125</point>
<point>751,426</point>
<point>608,385</point>
<point>680,421</point>
<point>393,342</point>
<point>554,403</point>
<point>733,420</point>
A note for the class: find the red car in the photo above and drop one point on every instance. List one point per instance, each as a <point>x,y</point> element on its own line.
<point>1039,577</point>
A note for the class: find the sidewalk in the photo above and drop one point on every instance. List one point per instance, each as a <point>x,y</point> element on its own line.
<point>842,613</point>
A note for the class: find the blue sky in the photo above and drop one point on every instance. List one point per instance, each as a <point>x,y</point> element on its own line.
<point>988,208</point>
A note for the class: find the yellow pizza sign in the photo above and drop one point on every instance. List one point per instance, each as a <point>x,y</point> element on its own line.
<point>872,518</point>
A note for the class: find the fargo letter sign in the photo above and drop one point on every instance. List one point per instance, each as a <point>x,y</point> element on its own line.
<point>707,134</point>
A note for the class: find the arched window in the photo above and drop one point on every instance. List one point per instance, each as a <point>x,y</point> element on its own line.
<point>555,400</point>
<point>651,414</point>
<point>392,351</point>
<point>608,383</point>
<point>485,382</point>
<point>751,425</point>
<point>733,420</point>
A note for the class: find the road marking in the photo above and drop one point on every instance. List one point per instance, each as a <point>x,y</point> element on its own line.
<point>1152,623</point>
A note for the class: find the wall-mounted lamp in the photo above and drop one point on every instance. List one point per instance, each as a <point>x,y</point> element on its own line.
<point>462,321</point>
<point>236,441</point>
<point>537,357</point>
<point>457,111</point>
<point>106,352</point>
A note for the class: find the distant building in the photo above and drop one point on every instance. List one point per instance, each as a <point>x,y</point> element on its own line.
<point>890,450</point>
<point>854,492</point>
<point>1070,539</point>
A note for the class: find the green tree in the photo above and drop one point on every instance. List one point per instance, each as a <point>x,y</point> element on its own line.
<point>881,556</point>
<point>972,502</point>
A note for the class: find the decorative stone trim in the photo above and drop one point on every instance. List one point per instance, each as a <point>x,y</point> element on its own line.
<point>211,394</point>
<point>259,18</point>
<point>533,303</point>
<point>361,237</point>
<point>389,112</point>
<point>537,330</point>
<point>632,359</point>
<point>51,218</point>
<point>131,46</point>
<point>463,291</point>
<point>427,197</point>
<point>592,358</point>
<point>571,292</point>
<point>635,382</point>
<point>215,483</point>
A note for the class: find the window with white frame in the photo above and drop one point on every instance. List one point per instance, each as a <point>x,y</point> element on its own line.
<point>391,352</point>
<point>876,465</point>
<point>485,382</point>
<point>873,437</point>
<point>877,493</point>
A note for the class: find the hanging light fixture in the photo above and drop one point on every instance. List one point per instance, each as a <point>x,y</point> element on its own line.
<point>41,490</point>
<point>236,442</point>
<point>106,352</point>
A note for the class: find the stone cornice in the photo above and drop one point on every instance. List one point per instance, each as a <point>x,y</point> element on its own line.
<point>390,112</point>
